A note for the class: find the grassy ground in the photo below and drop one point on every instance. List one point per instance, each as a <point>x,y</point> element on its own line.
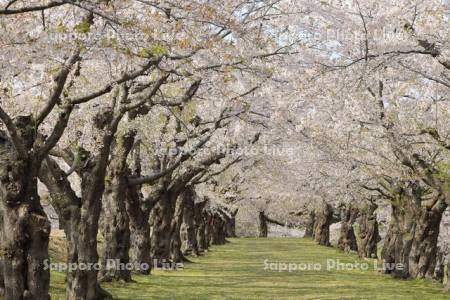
<point>236,271</point>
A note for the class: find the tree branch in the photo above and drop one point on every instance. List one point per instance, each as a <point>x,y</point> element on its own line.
<point>60,81</point>
<point>13,133</point>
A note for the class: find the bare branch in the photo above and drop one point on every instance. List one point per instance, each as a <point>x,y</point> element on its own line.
<point>60,81</point>
<point>13,133</point>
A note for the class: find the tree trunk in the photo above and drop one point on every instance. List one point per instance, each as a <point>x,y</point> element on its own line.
<point>139,212</point>
<point>116,231</point>
<point>175,239</point>
<point>25,227</point>
<point>309,225</point>
<point>347,238</point>
<point>200,223</point>
<point>422,258</point>
<point>447,288</point>
<point>324,218</point>
<point>398,241</point>
<point>116,221</point>
<point>218,229</point>
<point>161,221</point>
<point>439,266</point>
<point>188,228</point>
<point>67,205</point>
<point>208,229</point>
<point>82,283</point>
<point>231,224</point>
<point>262,225</point>
<point>368,231</point>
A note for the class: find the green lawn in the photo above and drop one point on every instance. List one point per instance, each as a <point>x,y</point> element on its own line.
<point>236,271</point>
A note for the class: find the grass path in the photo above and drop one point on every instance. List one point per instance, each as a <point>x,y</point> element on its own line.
<point>236,271</point>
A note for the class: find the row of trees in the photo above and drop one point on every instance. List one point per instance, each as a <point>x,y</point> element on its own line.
<point>371,132</point>
<point>391,136</point>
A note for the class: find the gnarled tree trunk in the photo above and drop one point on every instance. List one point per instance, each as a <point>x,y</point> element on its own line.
<point>309,224</point>
<point>25,227</point>
<point>398,241</point>
<point>424,249</point>
<point>188,229</point>
<point>116,221</point>
<point>161,221</point>
<point>200,223</point>
<point>347,238</point>
<point>324,218</point>
<point>231,223</point>
<point>368,231</point>
<point>218,229</point>
<point>175,239</point>
<point>138,209</point>
<point>139,212</point>
<point>68,208</point>
<point>439,266</point>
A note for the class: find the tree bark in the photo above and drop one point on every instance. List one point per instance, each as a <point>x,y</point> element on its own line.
<point>398,241</point>
<point>25,227</point>
<point>116,221</point>
<point>176,254</point>
<point>139,214</point>
<point>368,231</point>
<point>347,238</point>
<point>413,232</point>
<point>309,224</point>
<point>188,228</point>
<point>218,229</point>
<point>200,223</point>
<point>262,225</point>
<point>424,249</point>
<point>68,208</point>
<point>324,218</point>
<point>439,266</point>
<point>161,221</point>
<point>138,209</point>
<point>230,222</point>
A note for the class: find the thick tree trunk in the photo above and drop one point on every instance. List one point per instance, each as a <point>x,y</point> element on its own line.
<point>139,209</point>
<point>448,275</point>
<point>200,223</point>
<point>139,212</point>
<point>231,223</point>
<point>208,229</point>
<point>26,231</point>
<point>176,254</point>
<point>218,230</point>
<point>368,231</point>
<point>82,283</point>
<point>439,266</point>
<point>309,224</point>
<point>116,231</point>
<point>116,221</point>
<point>413,233</point>
<point>161,221</point>
<point>347,238</point>
<point>398,241</point>
<point>422,258</point>
<point>25,227</point>
<point>2,274</point>
<point>67,206</point>
<point>188,229</point>
<point>324,218</point>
